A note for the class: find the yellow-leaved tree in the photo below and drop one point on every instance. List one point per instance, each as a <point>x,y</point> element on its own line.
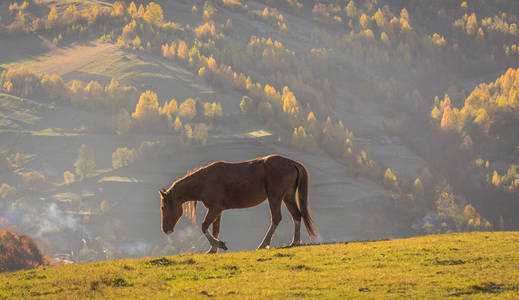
<point>85,162</point>
<point>147,111</point>
<point>187,110</point>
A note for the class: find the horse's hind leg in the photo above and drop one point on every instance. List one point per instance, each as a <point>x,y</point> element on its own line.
<point>291,204</point>
<point>275,218</point>
<point>210,217</point>
<point>216,231</point>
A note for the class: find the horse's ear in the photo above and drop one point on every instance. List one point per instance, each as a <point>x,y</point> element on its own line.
<point>161,192</point>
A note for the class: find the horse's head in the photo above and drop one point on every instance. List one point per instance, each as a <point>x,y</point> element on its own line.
<point>171,210</point>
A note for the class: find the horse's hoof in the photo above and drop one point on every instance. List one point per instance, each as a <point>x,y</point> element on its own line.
<point>293,244</point>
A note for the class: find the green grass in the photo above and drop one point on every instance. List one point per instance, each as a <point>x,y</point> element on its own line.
<point>468,265</point>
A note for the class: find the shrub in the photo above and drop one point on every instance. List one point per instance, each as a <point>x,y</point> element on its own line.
<point>123,157</point>
<point>18,251</point>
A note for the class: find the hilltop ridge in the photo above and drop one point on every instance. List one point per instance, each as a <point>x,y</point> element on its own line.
<point>468,265</point>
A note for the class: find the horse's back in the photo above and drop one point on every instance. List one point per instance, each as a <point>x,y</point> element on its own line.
<point>237,184</point>
<point>248,183</point>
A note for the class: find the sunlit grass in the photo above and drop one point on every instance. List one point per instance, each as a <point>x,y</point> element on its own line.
<point>470,265</point>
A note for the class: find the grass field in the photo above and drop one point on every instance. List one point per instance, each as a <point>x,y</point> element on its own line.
<point>467,265</point>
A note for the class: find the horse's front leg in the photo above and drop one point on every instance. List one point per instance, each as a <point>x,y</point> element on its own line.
<point>210,217</point>
<point>216,231</point>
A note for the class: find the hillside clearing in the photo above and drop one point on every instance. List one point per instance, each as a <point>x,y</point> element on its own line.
<point>61,61</point>
<point>468,265</point>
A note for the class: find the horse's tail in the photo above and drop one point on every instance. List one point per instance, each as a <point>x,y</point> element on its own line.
<point>302,201</point>
<point>190,210</point>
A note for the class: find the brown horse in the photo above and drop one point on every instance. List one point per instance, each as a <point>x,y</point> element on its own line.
<point>225,185</point>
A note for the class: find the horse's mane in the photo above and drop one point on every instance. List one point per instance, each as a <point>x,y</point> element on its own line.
<point>190,210</point>
<point>189,173</point>
<point>189,206</point>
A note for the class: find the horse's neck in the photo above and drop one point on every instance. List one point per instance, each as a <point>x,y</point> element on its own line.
<point>191,186</point>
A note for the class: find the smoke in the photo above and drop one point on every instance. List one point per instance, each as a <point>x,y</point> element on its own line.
<point>188,234</point>
<point>53,220</point>
<point>188,239</point>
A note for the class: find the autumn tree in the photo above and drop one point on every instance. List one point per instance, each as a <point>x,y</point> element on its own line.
<point>418,188</point>
<point>182,50</point>
<point>390,180</point>
<point>212,111</point>
<point>147,111</point>
<point>7,191</point>
<point>303,141</point>
<point>200,133</point>
<point>95,94</point>
<point>170,109</point>
<point>248,105</point>
<point>289,102</point>
<point>18,252</point>
<point>209,10</point>
<point>68,177</point>
<point>265,110</point>
<point>351,10</point>
<point>85,162</point>
<point>177,125</point>
<point>364,21</point>
<point>154,14</point>
<point>122,122</point>
<point>123,157</point>
<point>187,110</point>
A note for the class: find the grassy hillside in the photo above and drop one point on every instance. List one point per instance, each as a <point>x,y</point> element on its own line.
<point>468,265</point>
